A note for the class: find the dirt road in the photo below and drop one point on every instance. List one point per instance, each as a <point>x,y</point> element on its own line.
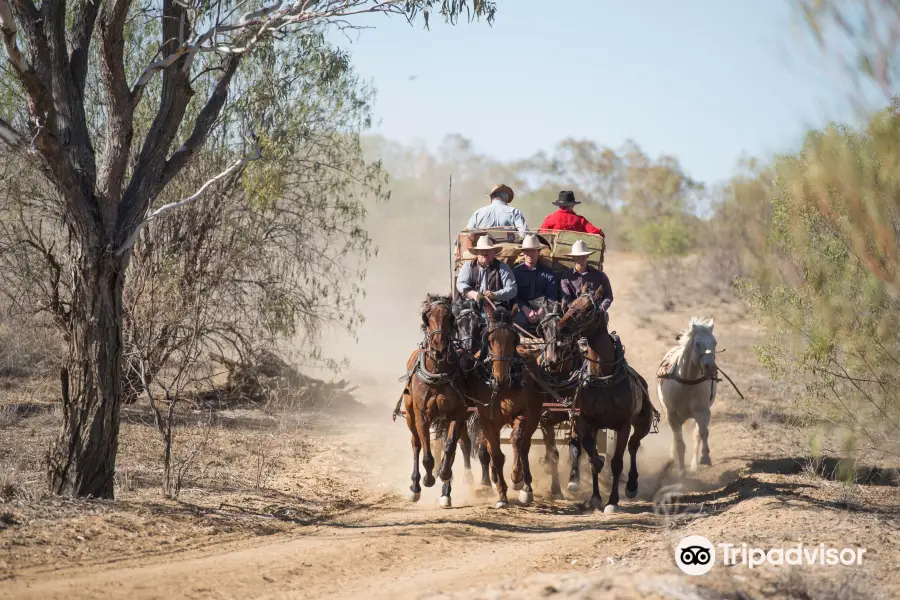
<point>380,546</point>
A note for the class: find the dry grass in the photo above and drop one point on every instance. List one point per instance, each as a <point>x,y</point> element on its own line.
<point>28,348</point>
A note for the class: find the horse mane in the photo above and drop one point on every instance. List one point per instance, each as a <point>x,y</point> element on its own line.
<point>686,338</point>
<point>548,304</point>
<point>462,303</point>
<point>697,323</point>
<point>429,300</point>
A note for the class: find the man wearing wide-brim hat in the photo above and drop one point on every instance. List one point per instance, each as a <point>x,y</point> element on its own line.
<point>582,274</point>
<point>534,282</point>
<point>565,219</point>
<point>486,276</point>
<point>498,213</point>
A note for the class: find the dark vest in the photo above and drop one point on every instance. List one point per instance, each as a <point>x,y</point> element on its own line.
<point>494,282</point>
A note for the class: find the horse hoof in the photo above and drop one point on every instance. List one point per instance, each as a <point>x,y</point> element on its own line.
<point>445,502</point>
<point>706,461</point>
<point>557,494</point>
<point>526,497</point>
<point>468,479</point>
<point>610,509</point>
<point>414,496</point>
<point>428,481</point>
<point>631,493</point>
<point>502,504</point>
<point>595,503</point>
<point>517,485</point>
<point>573,486</point>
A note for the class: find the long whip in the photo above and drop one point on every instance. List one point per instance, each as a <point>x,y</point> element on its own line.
<point>450,233</point>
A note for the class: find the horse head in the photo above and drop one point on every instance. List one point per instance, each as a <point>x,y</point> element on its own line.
<point>468,324</point>
<point>437,324</point>
<point>701,343</point>
<point>583,315</point>
<point>548,330</point>
<point>502,341</point>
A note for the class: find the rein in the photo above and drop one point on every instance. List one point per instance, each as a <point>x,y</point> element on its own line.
<point>700,380</point>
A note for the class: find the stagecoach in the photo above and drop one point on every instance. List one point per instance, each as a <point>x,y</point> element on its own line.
<point>556,244</point>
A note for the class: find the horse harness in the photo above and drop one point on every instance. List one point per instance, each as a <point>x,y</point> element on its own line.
<point>420,371</point>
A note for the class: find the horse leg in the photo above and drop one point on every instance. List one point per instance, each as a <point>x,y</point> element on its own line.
<point>526,495</point>
<point>465,443</point>
<point>428,458</point>
<point>492,440</point>
<point>641,429</point>
<point>415,490</point>
<point>515,440</point>
<point>484,457</point>
<point>589,443</point>
<point>551,454</point>
<point>574,458</point>
<point>678,446</point>
<point>701,439</point>
<point>446,470</point>
<point>618,463</point>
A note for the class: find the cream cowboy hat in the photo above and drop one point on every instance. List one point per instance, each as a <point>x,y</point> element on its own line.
<point>531,242</point>
<point>505,189</point>
<point>579,248</point>
<point>484,243</point>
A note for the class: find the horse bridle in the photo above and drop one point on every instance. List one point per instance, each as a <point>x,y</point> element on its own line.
<point>429,334</point>
<point>489,357</point>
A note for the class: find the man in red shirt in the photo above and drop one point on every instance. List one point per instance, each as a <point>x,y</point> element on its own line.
<point>565,218</point>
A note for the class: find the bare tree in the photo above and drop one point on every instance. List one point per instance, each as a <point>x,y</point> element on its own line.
<point>105,179</point>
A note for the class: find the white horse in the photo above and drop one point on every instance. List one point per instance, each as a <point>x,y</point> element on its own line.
<point>686,388</point>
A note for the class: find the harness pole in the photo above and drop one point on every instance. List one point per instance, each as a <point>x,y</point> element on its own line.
<point>450,233</point>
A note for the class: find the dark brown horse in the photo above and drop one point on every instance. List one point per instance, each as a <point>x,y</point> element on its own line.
<point>434,389</point>
<point>612,397</point>
<point>504,397</point>
<point>559,372</point>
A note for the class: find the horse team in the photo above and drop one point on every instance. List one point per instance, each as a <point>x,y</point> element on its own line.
<point>471,377</point>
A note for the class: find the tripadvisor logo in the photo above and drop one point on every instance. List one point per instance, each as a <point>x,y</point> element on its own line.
<point>696,555</point>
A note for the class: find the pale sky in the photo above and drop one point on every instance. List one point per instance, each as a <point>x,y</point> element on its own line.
<point>703,80</point>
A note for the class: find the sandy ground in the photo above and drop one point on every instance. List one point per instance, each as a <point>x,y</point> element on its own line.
<point>315,508</point>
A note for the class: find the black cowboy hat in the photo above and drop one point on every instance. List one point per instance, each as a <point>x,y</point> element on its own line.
<point>566,198</point>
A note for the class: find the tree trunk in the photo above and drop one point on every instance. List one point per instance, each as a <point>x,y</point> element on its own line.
<point>82,461</point>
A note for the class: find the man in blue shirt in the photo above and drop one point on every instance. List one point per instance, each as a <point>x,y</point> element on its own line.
<point>534,281</point>
<point>498,213</point>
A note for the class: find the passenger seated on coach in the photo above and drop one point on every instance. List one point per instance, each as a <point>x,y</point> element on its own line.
<point>486,276</point>
<point>536,284</point>
<point>574,280</point>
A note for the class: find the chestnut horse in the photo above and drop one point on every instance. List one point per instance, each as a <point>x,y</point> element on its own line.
<point>468,326</point>
<point>434,390</point>
<point>612,397</point>
<point>503,397</point>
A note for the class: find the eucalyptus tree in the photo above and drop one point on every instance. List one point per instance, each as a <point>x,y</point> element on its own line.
<point>111,124</point>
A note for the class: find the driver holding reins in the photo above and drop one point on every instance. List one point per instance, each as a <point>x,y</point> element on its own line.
<point>486,276</point>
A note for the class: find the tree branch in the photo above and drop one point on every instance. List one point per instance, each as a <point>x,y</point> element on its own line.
<point>174,98</point>
<point>42,112</point>
<point>192,198</point>
<point>120,127</point>
<point>82,31</point>
<point>9,136</point>
<point>204,122</point>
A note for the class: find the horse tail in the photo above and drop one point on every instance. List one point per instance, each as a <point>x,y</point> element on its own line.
<point>473,427</point>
